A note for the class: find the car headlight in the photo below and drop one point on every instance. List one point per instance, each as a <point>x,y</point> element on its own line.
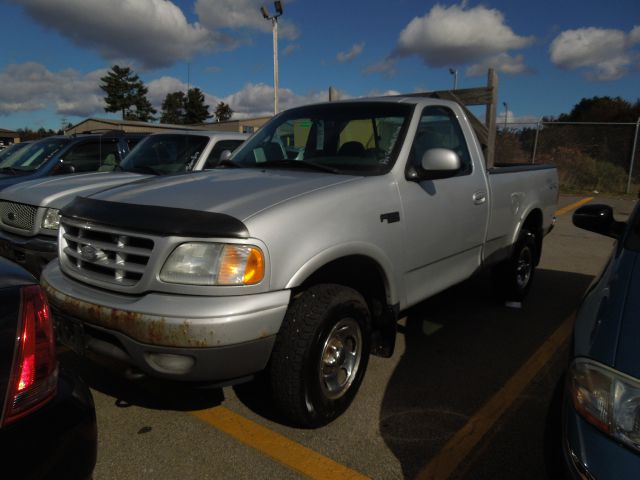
<point>608,399</point>
<point>51,220</point>
<point>200,263</point>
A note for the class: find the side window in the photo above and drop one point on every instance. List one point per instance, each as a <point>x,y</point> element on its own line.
<point>133,141</point>
<point>439,128</point>
<point>218,148</point>
<point>93,156</point>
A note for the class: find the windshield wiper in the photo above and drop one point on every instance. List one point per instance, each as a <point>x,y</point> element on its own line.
<point>286,163</point>
<point>145,169</point>
<point>228,164</point>
<point>10,170</point>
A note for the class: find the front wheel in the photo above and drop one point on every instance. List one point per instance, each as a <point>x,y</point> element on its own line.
<point>513,277</point>
<point>321,354</point>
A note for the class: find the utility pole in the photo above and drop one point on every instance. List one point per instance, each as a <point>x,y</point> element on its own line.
<point>274,27</point>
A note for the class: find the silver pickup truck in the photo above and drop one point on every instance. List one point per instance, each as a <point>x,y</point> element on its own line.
<point>298,262</point>
<point>30,211</point>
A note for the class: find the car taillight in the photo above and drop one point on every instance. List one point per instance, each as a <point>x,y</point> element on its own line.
<point>34,374</point>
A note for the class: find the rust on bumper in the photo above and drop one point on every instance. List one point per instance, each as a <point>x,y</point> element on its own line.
<point>141,327</point>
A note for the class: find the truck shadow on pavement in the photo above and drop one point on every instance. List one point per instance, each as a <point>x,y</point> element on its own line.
<point>461,346</point>
<point>108,378</point>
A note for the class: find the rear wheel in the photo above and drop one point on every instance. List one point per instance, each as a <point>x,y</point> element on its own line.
<point>513,277</point>
<point>320,355</point>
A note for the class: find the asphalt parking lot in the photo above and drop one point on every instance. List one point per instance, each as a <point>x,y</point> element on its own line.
<point>464,396</point>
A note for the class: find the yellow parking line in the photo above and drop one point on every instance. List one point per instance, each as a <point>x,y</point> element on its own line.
<point>289,453</point>
<point>573,206</point>
<point>465,440</point>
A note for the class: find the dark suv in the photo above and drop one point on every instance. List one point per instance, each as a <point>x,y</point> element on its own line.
<point>67,154</point>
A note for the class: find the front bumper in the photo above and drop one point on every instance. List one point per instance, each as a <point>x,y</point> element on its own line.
<point>590,454</point>
<point>33,253</point>
<point>183,337</point>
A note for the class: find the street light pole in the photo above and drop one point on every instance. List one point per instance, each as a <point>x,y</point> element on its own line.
<point>274,27</point>
<point>506,112</point>
<point>454,72</point>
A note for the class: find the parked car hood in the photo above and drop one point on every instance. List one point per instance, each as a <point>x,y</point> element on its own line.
<point>56,192</point>
<point>8,180</point>
<point>240,193</point>
<point>608,323</point>
<point>628,351</point>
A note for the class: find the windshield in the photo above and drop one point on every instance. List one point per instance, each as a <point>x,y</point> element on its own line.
<point>11,150</point>
<point>352,138</point>
<point>34,156</point>
<point>163,154</point>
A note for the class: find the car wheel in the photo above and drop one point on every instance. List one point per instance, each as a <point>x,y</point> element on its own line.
<point>320,355</point>
<point>513,278</point>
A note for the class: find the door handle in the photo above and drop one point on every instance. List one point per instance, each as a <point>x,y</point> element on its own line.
<point>479,198</point>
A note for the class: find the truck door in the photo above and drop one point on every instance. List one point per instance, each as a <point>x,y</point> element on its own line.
<point>445,219</point>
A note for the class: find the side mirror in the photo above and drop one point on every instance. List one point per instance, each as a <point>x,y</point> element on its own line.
<point>436,163</point>
<point>225,155</point>
<point>63,168</point>
<point>599,219</point>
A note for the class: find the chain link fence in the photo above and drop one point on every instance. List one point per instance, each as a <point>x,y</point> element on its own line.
<point>590,156</point>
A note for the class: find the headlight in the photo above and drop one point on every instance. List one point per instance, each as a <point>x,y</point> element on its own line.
<point>199,263</point>
<point>51,220</point>
<point>608,399</point>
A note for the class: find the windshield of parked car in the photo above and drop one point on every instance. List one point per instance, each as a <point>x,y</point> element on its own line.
<point>12,149</point>
<point>34,156</point>
<point>163,154</point>
<point>360,138</point>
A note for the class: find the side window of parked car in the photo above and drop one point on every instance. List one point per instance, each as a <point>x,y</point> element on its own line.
<point>90,156</point>
<point>218,148</point>
<point>439,128</point>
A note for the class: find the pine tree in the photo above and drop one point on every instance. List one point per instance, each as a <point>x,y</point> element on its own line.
<point>223,112</point>
<point>196,111</point>
<point>174,108</point>
<point>126,93</point>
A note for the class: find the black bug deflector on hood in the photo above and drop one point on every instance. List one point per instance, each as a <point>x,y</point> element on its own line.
<point>162,221</point>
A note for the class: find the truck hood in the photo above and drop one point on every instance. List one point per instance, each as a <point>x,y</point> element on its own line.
<point>56,192</point>
<point>240,193</point>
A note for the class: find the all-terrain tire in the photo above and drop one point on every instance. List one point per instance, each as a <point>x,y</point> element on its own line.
<point>320,354</point>
<point>513,278</point>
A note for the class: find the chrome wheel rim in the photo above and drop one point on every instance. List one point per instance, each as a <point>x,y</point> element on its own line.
<point>340,358</point>
<point>524,267</point>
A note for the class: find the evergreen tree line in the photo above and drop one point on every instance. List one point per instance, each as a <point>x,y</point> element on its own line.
<point>588,156</point>
<point>125,93</point>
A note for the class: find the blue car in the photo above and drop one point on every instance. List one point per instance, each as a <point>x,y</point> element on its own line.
<point>66,154</point>
<point>601,411</point>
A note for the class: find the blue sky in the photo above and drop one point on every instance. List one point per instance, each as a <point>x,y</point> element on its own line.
<point>548,55</point>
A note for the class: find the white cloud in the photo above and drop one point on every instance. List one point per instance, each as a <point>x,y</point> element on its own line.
<point>386,66</point>
<point>355,50</point>
<point>216,14</point>
<point>289,49</point>
<point>257,100</point>
<point>456,35</point>
<point>31,86</point>
<point>154,33</point>
<point>606,53</point>
<point>503,62</point>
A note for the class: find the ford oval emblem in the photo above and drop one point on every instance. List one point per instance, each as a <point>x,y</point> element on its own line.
<point>91,253</point>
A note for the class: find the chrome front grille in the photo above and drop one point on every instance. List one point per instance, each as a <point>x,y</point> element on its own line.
<point>17,215</point>
<point>101,254</point>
